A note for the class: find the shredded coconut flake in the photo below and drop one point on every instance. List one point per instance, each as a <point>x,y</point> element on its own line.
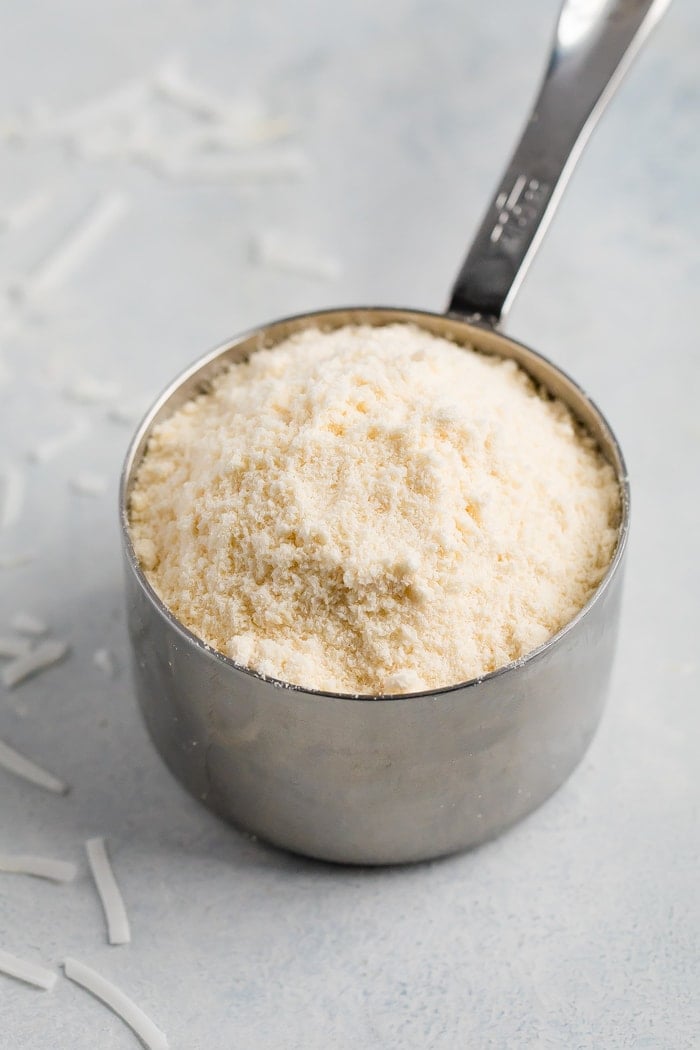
<point>16,763</point>
<point>91,391</point>
<point>11,647</point>
<point>50,448</point>
<point>103,659</point>
<point>228,123</point>
<point>40,658</point>
<point>131,1014</point>
<point>135,122</point>
<point>250,130</point>
<point>27,623</point>
<point>287,163</point>
<point>173,83</point>
<point>112,901</point>
<point>87,484</point>
<point>127,413</point>
<point>29,972</point>
<point>40,867</point>
<point>79,243</point>
<point>293,254</point>
<point>25,212</point>
<point>117,104</point>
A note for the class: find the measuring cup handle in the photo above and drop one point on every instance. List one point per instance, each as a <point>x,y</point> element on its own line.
<point>594,44</point>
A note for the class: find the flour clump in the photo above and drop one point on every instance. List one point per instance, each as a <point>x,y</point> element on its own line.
<point>373,510</point>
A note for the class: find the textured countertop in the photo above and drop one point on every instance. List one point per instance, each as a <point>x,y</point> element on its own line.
<point>123,257</point>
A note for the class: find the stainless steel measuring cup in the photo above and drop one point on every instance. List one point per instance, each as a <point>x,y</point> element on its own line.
<point>375,780</point>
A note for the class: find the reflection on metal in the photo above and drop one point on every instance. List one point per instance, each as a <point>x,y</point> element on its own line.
<point>577,19</point>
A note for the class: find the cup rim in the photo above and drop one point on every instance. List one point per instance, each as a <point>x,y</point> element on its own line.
<point>405,315</point>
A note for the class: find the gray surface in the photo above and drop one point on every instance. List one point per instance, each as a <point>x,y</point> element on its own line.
<point>580,928</point>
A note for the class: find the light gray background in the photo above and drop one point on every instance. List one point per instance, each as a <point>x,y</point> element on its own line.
<point>581,927</point>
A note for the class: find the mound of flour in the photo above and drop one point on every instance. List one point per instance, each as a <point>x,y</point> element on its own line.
<point>373,510</point>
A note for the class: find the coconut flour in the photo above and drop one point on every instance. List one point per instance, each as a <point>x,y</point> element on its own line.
<point>373,510</point>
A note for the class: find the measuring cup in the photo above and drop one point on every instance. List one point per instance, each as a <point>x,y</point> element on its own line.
<point>386,779</point>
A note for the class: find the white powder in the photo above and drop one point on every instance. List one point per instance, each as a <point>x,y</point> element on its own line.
<point>373,510</point>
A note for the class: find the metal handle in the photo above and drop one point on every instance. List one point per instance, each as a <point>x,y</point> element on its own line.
<point>594,44</point>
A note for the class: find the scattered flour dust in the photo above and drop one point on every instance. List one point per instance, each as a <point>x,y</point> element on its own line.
<point>374,510</point>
